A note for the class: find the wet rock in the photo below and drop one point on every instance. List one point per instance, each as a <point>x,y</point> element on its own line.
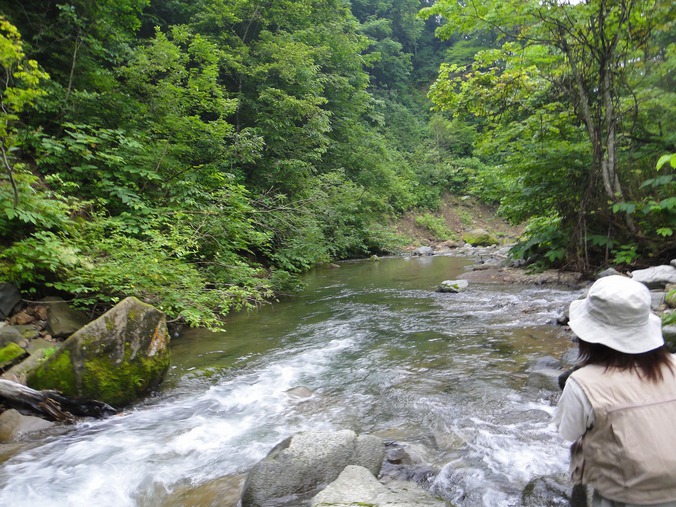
<point>548,491</point>
<point>544,378</point>
<point>452,286</point>
<point>656,277</point>
<point>569,357</point>
<point>545,362</point>
<point>357,486</point>
<point>220,492</point>
<point>63,320</point>
<point>14,425</point>
<point>304,463</point>
<point>299,392</point>
<point>116,359</point>
<point>405,464</point>
<point>10,300</point>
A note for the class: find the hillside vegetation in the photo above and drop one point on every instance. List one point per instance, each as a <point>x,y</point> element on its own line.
<point>200,155</point>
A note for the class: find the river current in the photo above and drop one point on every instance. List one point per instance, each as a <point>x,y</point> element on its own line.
<point>443,375</point>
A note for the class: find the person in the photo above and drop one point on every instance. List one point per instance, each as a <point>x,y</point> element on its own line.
<point>619,406</point>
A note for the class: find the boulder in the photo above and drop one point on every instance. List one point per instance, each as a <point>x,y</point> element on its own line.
<point>13,425</point>
<point>357,486</point>
<point>544,362</point>
<point>656,277</point>
<point>63,320</point>
<point>115,359</point>
<point>547,491</point>
<point>423,251</point>
<point>453,286</point>
<point>304,463</point>
<point>10,299</point>
<point>479,237</point>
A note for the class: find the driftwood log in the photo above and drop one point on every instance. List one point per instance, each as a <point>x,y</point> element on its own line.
<point>50,404</point>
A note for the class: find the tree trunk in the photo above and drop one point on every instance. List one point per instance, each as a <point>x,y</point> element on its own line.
<point>50,404</point>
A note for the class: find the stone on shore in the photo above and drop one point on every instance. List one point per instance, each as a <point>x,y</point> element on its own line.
<point>13,425</point>
<point>116,359</point>
<point>10,299</point>
<point>63,320</point>
<point>479,237</point>
<point>656,277</point>
<point>423,251</point>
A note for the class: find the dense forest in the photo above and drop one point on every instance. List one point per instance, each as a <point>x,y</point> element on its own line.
<point>202,154</point>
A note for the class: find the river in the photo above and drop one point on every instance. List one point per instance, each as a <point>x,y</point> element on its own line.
<point>444,375</point>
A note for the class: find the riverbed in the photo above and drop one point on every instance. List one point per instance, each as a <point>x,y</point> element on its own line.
<point>375,348</point>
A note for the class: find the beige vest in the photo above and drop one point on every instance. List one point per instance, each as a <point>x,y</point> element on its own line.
<point>630,453</point>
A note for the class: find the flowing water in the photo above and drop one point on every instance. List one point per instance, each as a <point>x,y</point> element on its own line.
<point>444,375</point>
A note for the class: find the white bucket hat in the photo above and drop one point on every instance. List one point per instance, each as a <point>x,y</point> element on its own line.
<point>616,313</point>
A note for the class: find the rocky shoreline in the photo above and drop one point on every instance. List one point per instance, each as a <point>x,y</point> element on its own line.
<point>59,366</point>
<point>373,476</point>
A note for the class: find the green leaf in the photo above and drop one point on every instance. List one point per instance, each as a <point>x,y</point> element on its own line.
<point>670,157</point>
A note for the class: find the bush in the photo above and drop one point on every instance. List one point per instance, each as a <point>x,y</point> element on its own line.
<point>435,225</point>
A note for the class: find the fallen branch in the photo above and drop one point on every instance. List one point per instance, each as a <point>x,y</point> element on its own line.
<point>50,404</point>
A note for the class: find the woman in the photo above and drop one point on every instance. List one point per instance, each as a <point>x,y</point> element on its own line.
<point>620,406</point>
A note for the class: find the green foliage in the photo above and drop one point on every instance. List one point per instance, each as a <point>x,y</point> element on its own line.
<point>160,266</point>
<point>435,225</point>
<point>557,136</point>
<point>669,318</point>
<point>625,254</point>
<point>542,244</point>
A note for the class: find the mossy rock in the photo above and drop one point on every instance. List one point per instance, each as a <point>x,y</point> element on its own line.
<point>10,355</point>
<point>117,358</point>
<point>479,237</point>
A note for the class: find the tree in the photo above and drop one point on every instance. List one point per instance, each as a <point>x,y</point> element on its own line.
<point>564,64</point>
<point>19,89</point>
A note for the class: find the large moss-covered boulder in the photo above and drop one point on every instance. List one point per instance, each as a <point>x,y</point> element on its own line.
<point>479,237</point>
<point>116,358</point>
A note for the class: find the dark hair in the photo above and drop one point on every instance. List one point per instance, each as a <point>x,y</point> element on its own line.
<point>648,365</point>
